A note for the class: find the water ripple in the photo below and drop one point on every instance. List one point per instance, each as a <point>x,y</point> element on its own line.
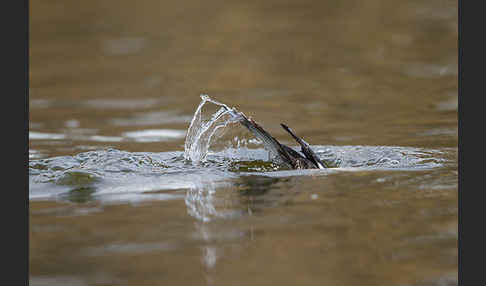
<point>113,174</point>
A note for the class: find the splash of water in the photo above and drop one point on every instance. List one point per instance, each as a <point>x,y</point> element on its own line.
<point>201,132</point>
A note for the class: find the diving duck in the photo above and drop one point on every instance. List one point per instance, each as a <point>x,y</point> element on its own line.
<point>307,160</point>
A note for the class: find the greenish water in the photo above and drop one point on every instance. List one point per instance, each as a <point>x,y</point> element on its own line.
<point>372,86</point>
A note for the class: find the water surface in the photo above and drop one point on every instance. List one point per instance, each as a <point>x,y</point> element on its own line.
<point>372,86</point>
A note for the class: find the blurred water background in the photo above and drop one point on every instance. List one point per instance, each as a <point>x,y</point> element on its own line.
<point>372,85</point>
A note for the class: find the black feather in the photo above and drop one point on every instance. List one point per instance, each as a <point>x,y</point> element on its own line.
<point>305,148</point>
<point>286,154</point>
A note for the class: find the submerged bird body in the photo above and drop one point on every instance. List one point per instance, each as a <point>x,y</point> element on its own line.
<point>294,159</point>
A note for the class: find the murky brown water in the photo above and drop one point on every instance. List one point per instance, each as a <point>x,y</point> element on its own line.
<point>127,75</point>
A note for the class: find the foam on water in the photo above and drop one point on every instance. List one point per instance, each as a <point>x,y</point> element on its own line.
<point>131,176</point>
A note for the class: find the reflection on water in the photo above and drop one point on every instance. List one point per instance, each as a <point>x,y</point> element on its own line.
<point>155,135</point>
<point>114,172</point>
<point>113,87</point>
<point>227,213</point>
<point>206,204</point>
<point>203,202</point>
<point>148,135</point>
<point>39,135</point>
<point>245,224</point>
<point>199,200</point>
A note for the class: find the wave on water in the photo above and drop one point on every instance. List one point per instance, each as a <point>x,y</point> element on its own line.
<point>116,175</point>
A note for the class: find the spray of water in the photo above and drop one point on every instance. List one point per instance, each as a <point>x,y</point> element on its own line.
<point>201,132</point>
